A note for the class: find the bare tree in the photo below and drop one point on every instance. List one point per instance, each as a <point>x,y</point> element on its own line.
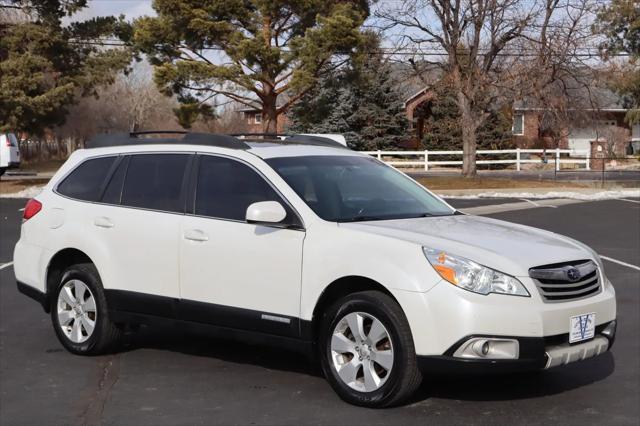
<point>132,103</point>
<point>615,138</point>
<point>484,47</point>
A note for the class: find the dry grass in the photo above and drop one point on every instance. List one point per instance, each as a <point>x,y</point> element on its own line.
<point>458,182</point>
<point>17,185</point>
<point>42,166</point>
<point>431,182</point>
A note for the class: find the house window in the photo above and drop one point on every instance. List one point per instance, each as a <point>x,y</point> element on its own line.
<point>257,118</point>
<point>635,132</point>
<point>518,124</point>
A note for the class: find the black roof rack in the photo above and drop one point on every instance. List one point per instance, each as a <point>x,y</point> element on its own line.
<point>235,141</point>
<point>133,138</point>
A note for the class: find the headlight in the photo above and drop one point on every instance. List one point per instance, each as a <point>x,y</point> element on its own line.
<point>471,276</point>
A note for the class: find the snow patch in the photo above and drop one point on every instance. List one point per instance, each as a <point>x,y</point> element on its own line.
<point>602,195</point>
<point>29,192</point>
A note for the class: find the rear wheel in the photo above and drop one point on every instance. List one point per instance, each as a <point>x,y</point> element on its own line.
<point>367,352</point>
<point>79,312</point>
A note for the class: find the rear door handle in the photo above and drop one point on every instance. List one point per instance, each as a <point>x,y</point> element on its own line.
<point>103,222</point>
<point>195,235</point>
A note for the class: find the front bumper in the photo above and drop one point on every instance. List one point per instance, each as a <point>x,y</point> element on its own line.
<point>446,316</point>
<point>535,353</point>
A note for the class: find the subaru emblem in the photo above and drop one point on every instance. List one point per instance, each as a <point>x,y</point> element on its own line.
<point>573,274</point>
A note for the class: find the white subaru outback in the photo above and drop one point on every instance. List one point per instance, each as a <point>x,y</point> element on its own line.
<point>301,242</point>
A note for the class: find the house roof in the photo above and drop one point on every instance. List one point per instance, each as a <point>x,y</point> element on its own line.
<point>581,98</point>
<point>416,95</point>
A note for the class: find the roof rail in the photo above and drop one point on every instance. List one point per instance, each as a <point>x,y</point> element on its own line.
<point>234,141</point>
<point>284,138</point>
<point>207,139</point>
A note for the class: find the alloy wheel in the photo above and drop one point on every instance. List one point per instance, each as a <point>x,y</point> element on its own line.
<point>362,351</point>
<point>77,313</point>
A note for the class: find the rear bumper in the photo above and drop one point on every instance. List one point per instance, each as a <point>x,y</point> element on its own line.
<point>535,353</point>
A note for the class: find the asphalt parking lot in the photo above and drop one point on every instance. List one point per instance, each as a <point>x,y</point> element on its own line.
<point>162,376</point>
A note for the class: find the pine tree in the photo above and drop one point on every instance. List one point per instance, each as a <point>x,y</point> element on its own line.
<point>360,102</point>
<point>443,128</point>
<point>252,52</point>
<point>45,66</point>
<point>619,22</point>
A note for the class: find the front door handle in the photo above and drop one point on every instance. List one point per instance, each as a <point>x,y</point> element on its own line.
<point>103,222</point>
<point>195,235</point>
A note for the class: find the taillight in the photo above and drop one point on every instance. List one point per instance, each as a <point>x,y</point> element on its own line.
<point>8,141</point>
<point>31,209</point>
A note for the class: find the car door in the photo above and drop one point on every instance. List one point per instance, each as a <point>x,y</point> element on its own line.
<point>233,273</point>
<point>139,218</point>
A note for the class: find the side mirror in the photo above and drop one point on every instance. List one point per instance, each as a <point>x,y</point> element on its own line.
<point>265,212</point>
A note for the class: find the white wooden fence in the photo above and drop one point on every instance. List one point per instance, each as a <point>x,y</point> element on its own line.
<point>425,158</point>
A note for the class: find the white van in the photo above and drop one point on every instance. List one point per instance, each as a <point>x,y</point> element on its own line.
<point>9,152</point>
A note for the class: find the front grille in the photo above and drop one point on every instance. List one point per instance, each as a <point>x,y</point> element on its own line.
<point>566,281</point>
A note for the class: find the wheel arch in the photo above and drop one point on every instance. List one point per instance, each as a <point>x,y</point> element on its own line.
<point>338,289</point>
<point>57,264</point>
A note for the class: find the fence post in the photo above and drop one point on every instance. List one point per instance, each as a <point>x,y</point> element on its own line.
<point>518,159</point>
<point>587,164</point>
<point>379,155</point>
<point>557,159</point>
<point>426,160</point>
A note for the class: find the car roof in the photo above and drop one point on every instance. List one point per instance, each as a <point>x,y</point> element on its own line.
<point>266,150</point>
<point>263,146</point>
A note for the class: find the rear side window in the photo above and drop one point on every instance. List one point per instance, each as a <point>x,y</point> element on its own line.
<point>225,189</point>
<point>154,181</point>
<point>86,181</point>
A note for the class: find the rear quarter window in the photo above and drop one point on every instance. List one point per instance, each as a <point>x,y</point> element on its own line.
<point>86,181</point>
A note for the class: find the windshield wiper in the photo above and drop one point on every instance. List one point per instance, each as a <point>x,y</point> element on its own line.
<point>361,218</point>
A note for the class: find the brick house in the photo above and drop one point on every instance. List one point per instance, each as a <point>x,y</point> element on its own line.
<point>537,127</point>
<point>418,107</point>
<point>252,120</point>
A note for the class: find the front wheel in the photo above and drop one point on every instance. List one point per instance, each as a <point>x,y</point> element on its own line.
<point>367,351</point>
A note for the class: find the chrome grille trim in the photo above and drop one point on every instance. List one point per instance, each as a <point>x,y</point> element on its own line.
<point>560,274</point>
<point>555,285</point>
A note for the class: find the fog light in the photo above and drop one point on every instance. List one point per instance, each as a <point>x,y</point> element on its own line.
<point>488,348</point>
<point>610,330</point>
<point>481,347</point>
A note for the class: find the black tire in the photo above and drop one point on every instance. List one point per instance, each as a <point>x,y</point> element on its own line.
<point>106,335</point>
<point>404,376</point>
<point>2,170</point>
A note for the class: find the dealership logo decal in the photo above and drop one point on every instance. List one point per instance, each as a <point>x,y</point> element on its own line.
<point>584,320</point>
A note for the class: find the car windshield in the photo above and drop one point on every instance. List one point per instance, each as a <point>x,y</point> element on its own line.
<point>356,188</point>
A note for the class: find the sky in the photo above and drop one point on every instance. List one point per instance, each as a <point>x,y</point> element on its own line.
<point>129,8</point>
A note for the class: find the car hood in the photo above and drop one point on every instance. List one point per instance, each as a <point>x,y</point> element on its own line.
<point>504,246</point>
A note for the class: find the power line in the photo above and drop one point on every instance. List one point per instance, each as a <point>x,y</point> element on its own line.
<point>580,53</point>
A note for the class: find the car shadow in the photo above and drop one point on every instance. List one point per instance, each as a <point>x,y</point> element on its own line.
<point>487,387</point>
<point>211,345</point>
<point>531,384</point>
